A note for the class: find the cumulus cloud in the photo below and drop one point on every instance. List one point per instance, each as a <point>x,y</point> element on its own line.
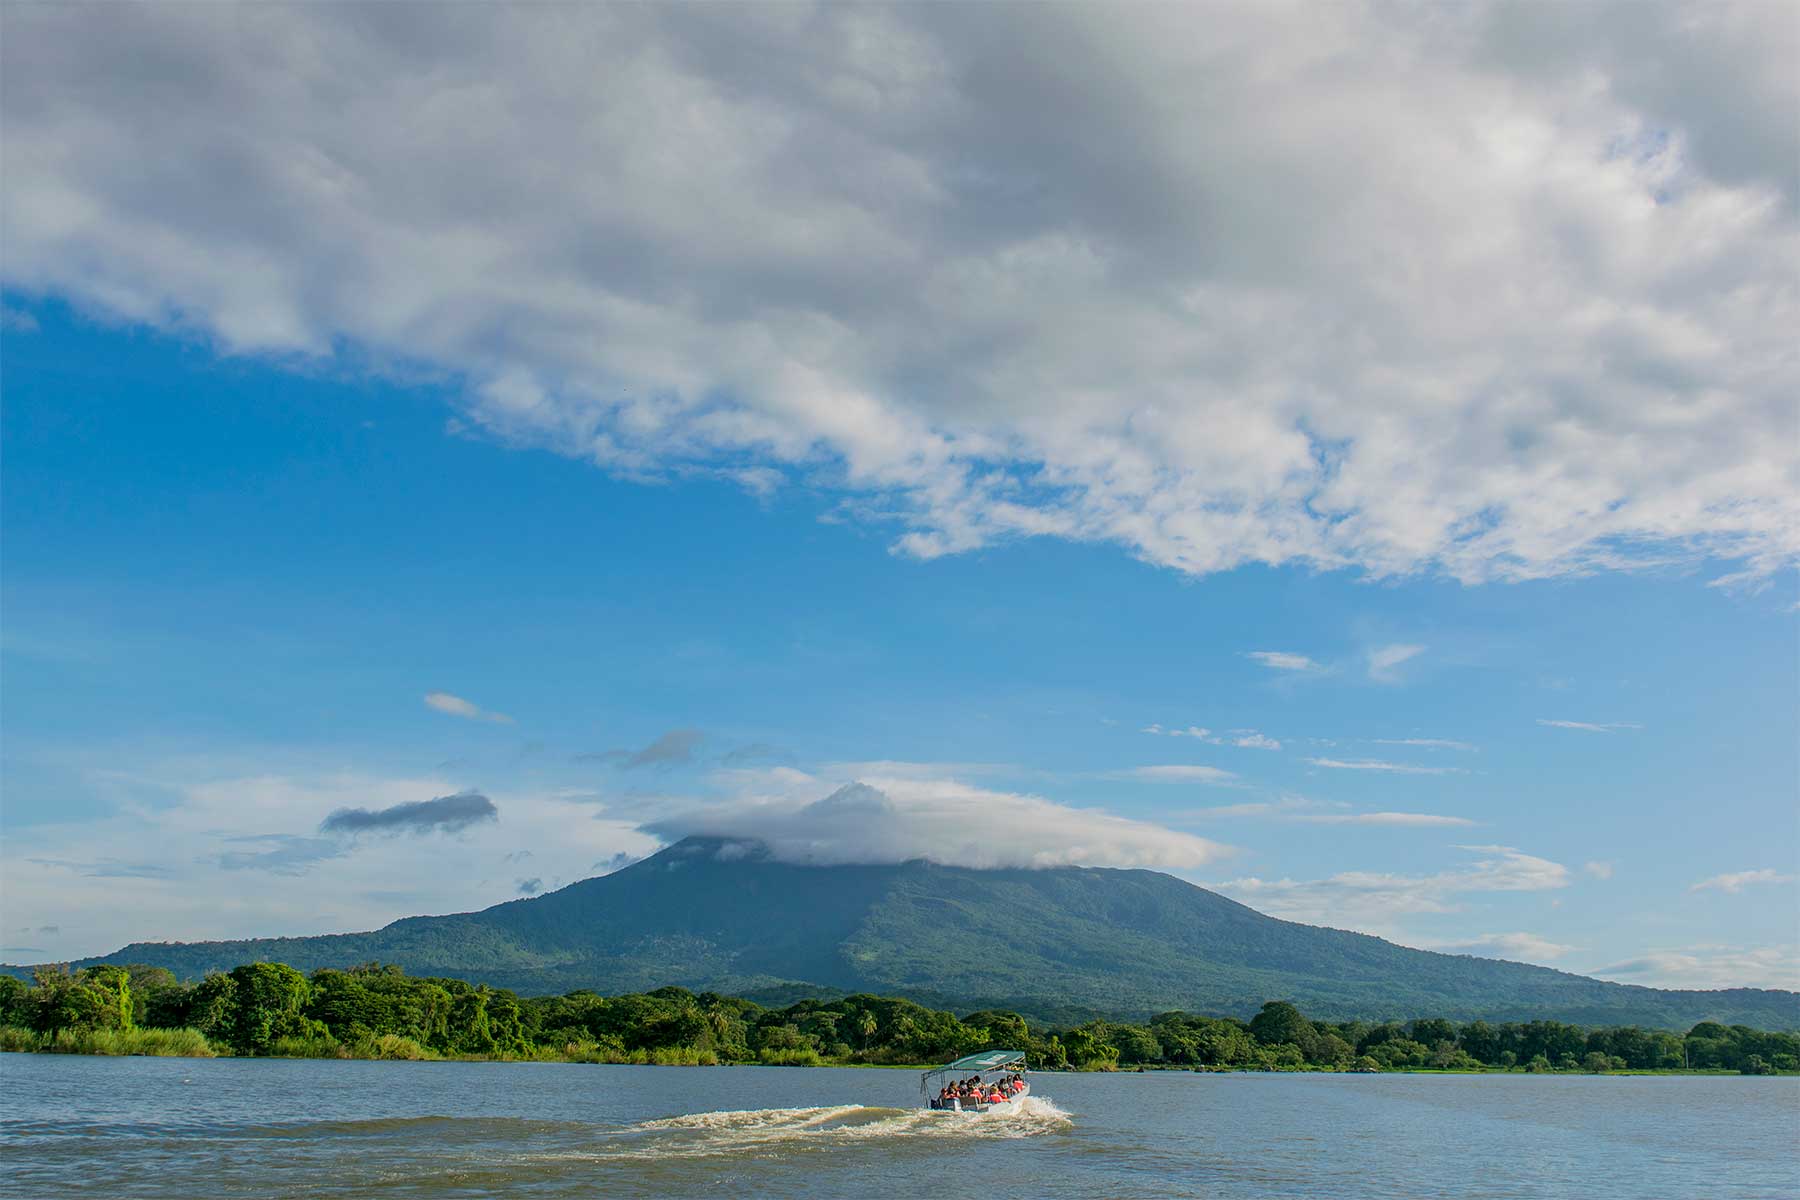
<point>1589,726</point>
<point>1384,661</point>
<point>895,820</point>
<point>1502,293</point>
<point>1376,764</point>
<point>530,887</point>
<point>1373,901</point>
<point>1281,660</point>
<point>1709,967</point>
<point>456,706</point>
<point>1733,882</point>
<point>1519,947</point>
<point>445,814</point>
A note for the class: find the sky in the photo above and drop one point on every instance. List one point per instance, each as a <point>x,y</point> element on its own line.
<point>1345,456</point>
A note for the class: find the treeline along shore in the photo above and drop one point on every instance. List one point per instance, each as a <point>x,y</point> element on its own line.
<point>377,1011</point>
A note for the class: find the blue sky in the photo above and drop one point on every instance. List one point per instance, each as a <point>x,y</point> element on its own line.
<point>224,574</point>
<point>1347,460</point>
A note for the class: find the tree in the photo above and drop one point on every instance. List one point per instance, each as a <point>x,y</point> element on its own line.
<point>266,1004</point>
<point>16,1005</point>
<point>1136,1044</point>
<point>1280,1022</point>
<point>1481,1042</point>
<point>1087,1052</point>
<point>114,984</point>
<point>1330,1050</point>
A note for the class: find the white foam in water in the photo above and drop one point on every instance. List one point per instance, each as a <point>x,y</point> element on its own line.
<point>765,1129</point>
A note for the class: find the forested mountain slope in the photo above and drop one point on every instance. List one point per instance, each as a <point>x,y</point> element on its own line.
<point>713,915</point>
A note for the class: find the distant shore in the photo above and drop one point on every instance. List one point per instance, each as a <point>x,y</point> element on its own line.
<point>372,1012</point>
<point>189,1043</point>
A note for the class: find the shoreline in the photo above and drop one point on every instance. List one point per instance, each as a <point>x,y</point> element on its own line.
<point>214,1051</point>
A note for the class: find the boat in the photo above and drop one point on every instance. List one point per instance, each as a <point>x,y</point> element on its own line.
<point>991,1066</point>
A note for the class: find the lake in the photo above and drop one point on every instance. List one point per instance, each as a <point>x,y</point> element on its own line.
<point>259,1127</point>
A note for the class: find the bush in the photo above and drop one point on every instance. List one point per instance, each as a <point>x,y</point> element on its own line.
<point>789,1058</point>
<point>315,1046</point>
<point>157,1043</point>
<point>390,1046</point>
<point>18,1041</point>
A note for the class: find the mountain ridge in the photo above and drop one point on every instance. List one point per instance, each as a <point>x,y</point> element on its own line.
<point>722,915</point>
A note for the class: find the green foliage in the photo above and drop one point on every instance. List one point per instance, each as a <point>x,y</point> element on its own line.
<point>376,1011</point>
<point>1280,1022</point>
<point>17,1007</point>
<point>183,1043</point>
<point>267,1004</point>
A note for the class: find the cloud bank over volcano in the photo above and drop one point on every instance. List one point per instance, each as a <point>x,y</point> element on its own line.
<point>1492,291</point>
<point>941,820</point>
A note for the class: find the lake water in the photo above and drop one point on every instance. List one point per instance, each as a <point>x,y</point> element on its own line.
<point>119,1127</point>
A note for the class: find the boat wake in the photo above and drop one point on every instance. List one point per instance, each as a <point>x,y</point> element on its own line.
<point>774,1130</point>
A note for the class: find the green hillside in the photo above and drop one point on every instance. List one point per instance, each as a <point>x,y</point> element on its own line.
<point>1062,942</point>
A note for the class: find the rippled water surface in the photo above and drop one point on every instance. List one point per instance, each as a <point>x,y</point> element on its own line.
<point>243,1127</point>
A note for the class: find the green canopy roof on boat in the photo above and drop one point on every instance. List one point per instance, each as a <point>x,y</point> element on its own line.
<point>987,1060</point>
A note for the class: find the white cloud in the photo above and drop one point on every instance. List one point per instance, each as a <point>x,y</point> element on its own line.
<point>1424,743</point>
<point>902,818</point>
<point>1733,882</point>
<point>1311,813</point>
<point>1501,293</point>
<point>1373,901</point>
<point>1391,818</point>
<point>179,854</point>
<point>1519,947</point>
<point>887,768</point>
<point>1375,764</point>
<point>1248,739</point>
<point>1709,967</point>
<point>1183,773</point>
<point>1599,869</point>
<point>1281,660</point>
<point>456,706</point>
<point>1384,661</point>
<point>1590,727</point>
